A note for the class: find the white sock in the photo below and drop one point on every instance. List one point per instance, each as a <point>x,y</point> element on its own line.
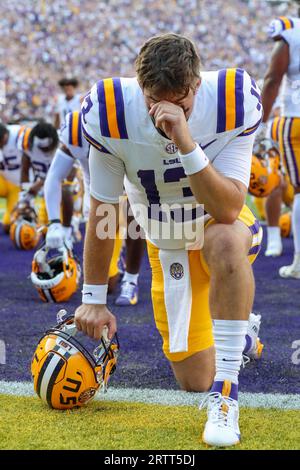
<point>273,236</point>
<point>130,277</point>
<point>229,336</point>
<point>296,223</point>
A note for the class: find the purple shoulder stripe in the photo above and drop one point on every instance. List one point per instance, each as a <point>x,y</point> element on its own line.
<point>239,98</point>
<point>79,131</point>
<point>102,109</point>
<point>221,110</point>
<point>70,128</point>
<point>120,108</point>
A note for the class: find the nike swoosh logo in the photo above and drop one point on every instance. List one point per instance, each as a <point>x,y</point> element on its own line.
<point>88,293</point>
<point>206,145</point>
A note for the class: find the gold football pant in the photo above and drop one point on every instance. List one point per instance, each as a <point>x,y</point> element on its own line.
<point>200,335</point>
<point>286,131</point>
<point>10,192</point>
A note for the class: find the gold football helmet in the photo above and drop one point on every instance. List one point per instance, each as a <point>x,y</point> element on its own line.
<point>65,373</point>
<point>24,231</point>
<point>265,170</point>
<point>57,278</point>
<point>285,224</point>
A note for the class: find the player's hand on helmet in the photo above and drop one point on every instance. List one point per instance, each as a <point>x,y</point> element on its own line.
<point>91,319</point>
<point>170,118</point>
<point>55,236</point>
<point>25,195</point>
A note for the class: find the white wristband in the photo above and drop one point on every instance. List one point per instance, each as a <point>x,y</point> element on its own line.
<point>94,294</point>
<point>194,161</point>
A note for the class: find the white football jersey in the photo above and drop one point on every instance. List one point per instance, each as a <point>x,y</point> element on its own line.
<point>71,136</point>
<point>116,121</point>
<point>289,30</point>
<point>65,106</point>
<point>12,156</point>
<point>40,161</point>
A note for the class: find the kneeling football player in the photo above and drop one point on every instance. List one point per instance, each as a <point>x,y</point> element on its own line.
<point>183,141</point>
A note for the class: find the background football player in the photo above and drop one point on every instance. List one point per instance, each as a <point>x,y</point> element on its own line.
<point>284,69</point>
<point>68,101</point>
<point>132,125</point>
<point>73,146</point>
<point>10,169</point>
<point>38,146</point>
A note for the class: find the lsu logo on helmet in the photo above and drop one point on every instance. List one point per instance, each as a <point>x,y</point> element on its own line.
<point>57,278</point>
<point>24,231</point>
<point>265,170</point>
<point>65,373</point>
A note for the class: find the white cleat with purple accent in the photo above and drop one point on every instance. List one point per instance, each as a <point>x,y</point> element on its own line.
<point>222,426</point>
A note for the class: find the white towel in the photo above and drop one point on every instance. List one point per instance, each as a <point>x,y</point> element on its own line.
<point>178,296</point>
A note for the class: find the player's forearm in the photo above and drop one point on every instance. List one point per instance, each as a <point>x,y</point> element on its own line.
<point>269,94</point>
<point>97,252</point>
<point>57,121</point>
<point>53,195</point>
<point>25,170</point>
<point>221,198</point>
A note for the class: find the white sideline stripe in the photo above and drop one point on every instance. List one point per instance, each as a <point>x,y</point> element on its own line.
<point>167,397</point>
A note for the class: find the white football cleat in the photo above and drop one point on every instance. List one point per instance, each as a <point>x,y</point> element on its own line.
<point>222,426</point>
<point>291,271</point>
<point>274,249</point>
<point>255,351</point>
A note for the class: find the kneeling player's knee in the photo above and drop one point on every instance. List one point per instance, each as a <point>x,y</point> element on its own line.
<point>225,250</point>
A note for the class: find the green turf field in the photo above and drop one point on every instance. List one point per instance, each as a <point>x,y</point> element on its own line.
<point>111,426</point>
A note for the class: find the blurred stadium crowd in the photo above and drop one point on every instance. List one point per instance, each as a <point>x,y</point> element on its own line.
<point>42,41</point>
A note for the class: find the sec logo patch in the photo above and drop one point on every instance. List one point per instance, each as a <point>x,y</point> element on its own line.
<point>171,148</point>
<point>177,271</point>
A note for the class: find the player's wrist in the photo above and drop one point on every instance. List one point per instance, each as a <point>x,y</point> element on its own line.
<point>94,294</point>
<point>194,161</point>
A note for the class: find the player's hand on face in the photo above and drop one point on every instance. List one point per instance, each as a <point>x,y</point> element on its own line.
<point>91,319</point>
<point>170,118</point>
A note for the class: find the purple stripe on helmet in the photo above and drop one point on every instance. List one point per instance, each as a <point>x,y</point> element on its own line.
<point>239,97</point>
<point>70,129</point>
<point>79,131</point>
<point>102,109</point>
<point>254,250</point>
<point>221,120</point>
<point>277,130</point>
<point>293,153</point>
<point>94,142</point>
<point>254,229</point>
<point>292,23</point>
<point>120,108</point>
